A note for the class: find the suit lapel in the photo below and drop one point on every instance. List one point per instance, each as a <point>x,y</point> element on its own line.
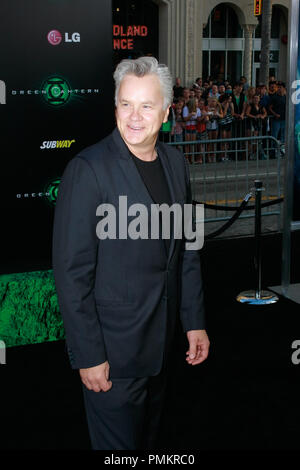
<point>170,181</point>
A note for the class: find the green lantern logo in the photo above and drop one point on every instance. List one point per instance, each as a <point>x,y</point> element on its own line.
<point>51,191</point>
<point>55,91</point>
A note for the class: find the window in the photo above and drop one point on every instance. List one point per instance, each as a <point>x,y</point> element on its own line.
<point>222,24</point>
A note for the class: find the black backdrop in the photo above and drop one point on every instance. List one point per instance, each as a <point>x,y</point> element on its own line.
<point>54,92</point>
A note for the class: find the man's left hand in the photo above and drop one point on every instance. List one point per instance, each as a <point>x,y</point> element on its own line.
<point>198,347</point>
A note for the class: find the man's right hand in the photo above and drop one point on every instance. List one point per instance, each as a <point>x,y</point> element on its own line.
<point>96,378</point>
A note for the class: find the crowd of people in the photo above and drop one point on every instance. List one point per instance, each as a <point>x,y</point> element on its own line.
<point>210,110</point>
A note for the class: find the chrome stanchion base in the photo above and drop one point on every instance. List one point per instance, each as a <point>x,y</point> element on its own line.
<point>253,297</point>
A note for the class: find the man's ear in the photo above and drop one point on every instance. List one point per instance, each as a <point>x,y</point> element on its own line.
<point>166,114</point>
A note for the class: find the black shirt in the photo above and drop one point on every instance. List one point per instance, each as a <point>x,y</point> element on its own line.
<point>178,91</point>
<point>278,103</point>
<point>153,176</point>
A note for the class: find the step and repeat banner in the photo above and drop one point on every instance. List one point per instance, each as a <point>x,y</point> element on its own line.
<point>56,96</point>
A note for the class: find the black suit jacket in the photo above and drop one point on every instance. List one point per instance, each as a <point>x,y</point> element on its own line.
<point>119,297</point>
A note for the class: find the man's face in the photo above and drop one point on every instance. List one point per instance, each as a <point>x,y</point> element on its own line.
<point>214,89</point>
<point>222,89</point>
<point>280,90</point>
<point>139,111</point>
<point>263,90</point>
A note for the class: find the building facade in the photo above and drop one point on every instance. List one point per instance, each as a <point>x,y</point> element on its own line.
<point>201,38</point>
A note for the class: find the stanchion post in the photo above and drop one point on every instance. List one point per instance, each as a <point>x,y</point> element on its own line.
<point>257,260</point>
<point>257,296</point>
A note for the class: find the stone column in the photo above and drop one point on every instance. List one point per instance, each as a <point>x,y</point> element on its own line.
<point>248,48</point>
<point>190,41</point>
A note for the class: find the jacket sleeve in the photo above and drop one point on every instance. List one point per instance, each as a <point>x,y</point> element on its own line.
<point>192,313</point>
<point>74,256</point>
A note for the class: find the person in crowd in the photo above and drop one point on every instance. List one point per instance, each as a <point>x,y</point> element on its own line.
<point>239,105</point>
<point>238,129</point>
<point>186,95</point>
<point>264,97</point>
<point>238,100</point>
<point>272,88</point>
<point>214,92</point>
<point>256,114</point>
<point>226,124</point>
<point>221,90</point>
<point>265,102</point>
<point>251,91</point>
<point>192,94</point>
<point>177,88</point>
<point>245,84</point>
<point>178,130</point>
<point>198,83</point>
<point>190,115</point>
<point>214,112</point>
<point>201,130</point>
<point>248,101</point>
<point>277,109</point>
<point>119,296</point>
<point>198,94</point>
<point>167,127</point>
<point>206,90</point>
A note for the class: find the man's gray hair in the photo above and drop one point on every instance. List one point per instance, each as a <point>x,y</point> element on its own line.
<point>145,66</point>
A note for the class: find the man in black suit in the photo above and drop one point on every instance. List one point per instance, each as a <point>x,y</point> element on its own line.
<point>119,295</point>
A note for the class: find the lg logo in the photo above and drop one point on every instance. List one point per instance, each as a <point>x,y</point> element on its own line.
<point>2,92</point>
<point>55,37</point>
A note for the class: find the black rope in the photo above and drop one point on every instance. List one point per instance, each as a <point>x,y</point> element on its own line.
<point>235,216</point>
<point>231,208</point>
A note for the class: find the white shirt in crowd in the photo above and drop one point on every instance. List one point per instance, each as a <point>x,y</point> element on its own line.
<point>193,121</point>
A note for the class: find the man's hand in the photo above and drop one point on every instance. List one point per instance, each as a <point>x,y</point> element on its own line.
<point>96,378</point>
<point>198,346</point>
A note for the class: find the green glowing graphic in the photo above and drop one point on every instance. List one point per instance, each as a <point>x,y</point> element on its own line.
<point>51,190</point>
<point>55,91</point>
<point>29,311</point>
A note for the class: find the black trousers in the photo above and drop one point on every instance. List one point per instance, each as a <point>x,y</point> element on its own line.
<point>128,416</point>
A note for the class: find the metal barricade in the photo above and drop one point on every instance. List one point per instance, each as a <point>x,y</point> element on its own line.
<point>223,170</point>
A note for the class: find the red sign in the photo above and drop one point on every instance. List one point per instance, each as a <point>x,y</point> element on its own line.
<point>123,36</point>
<point>257,7</point>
